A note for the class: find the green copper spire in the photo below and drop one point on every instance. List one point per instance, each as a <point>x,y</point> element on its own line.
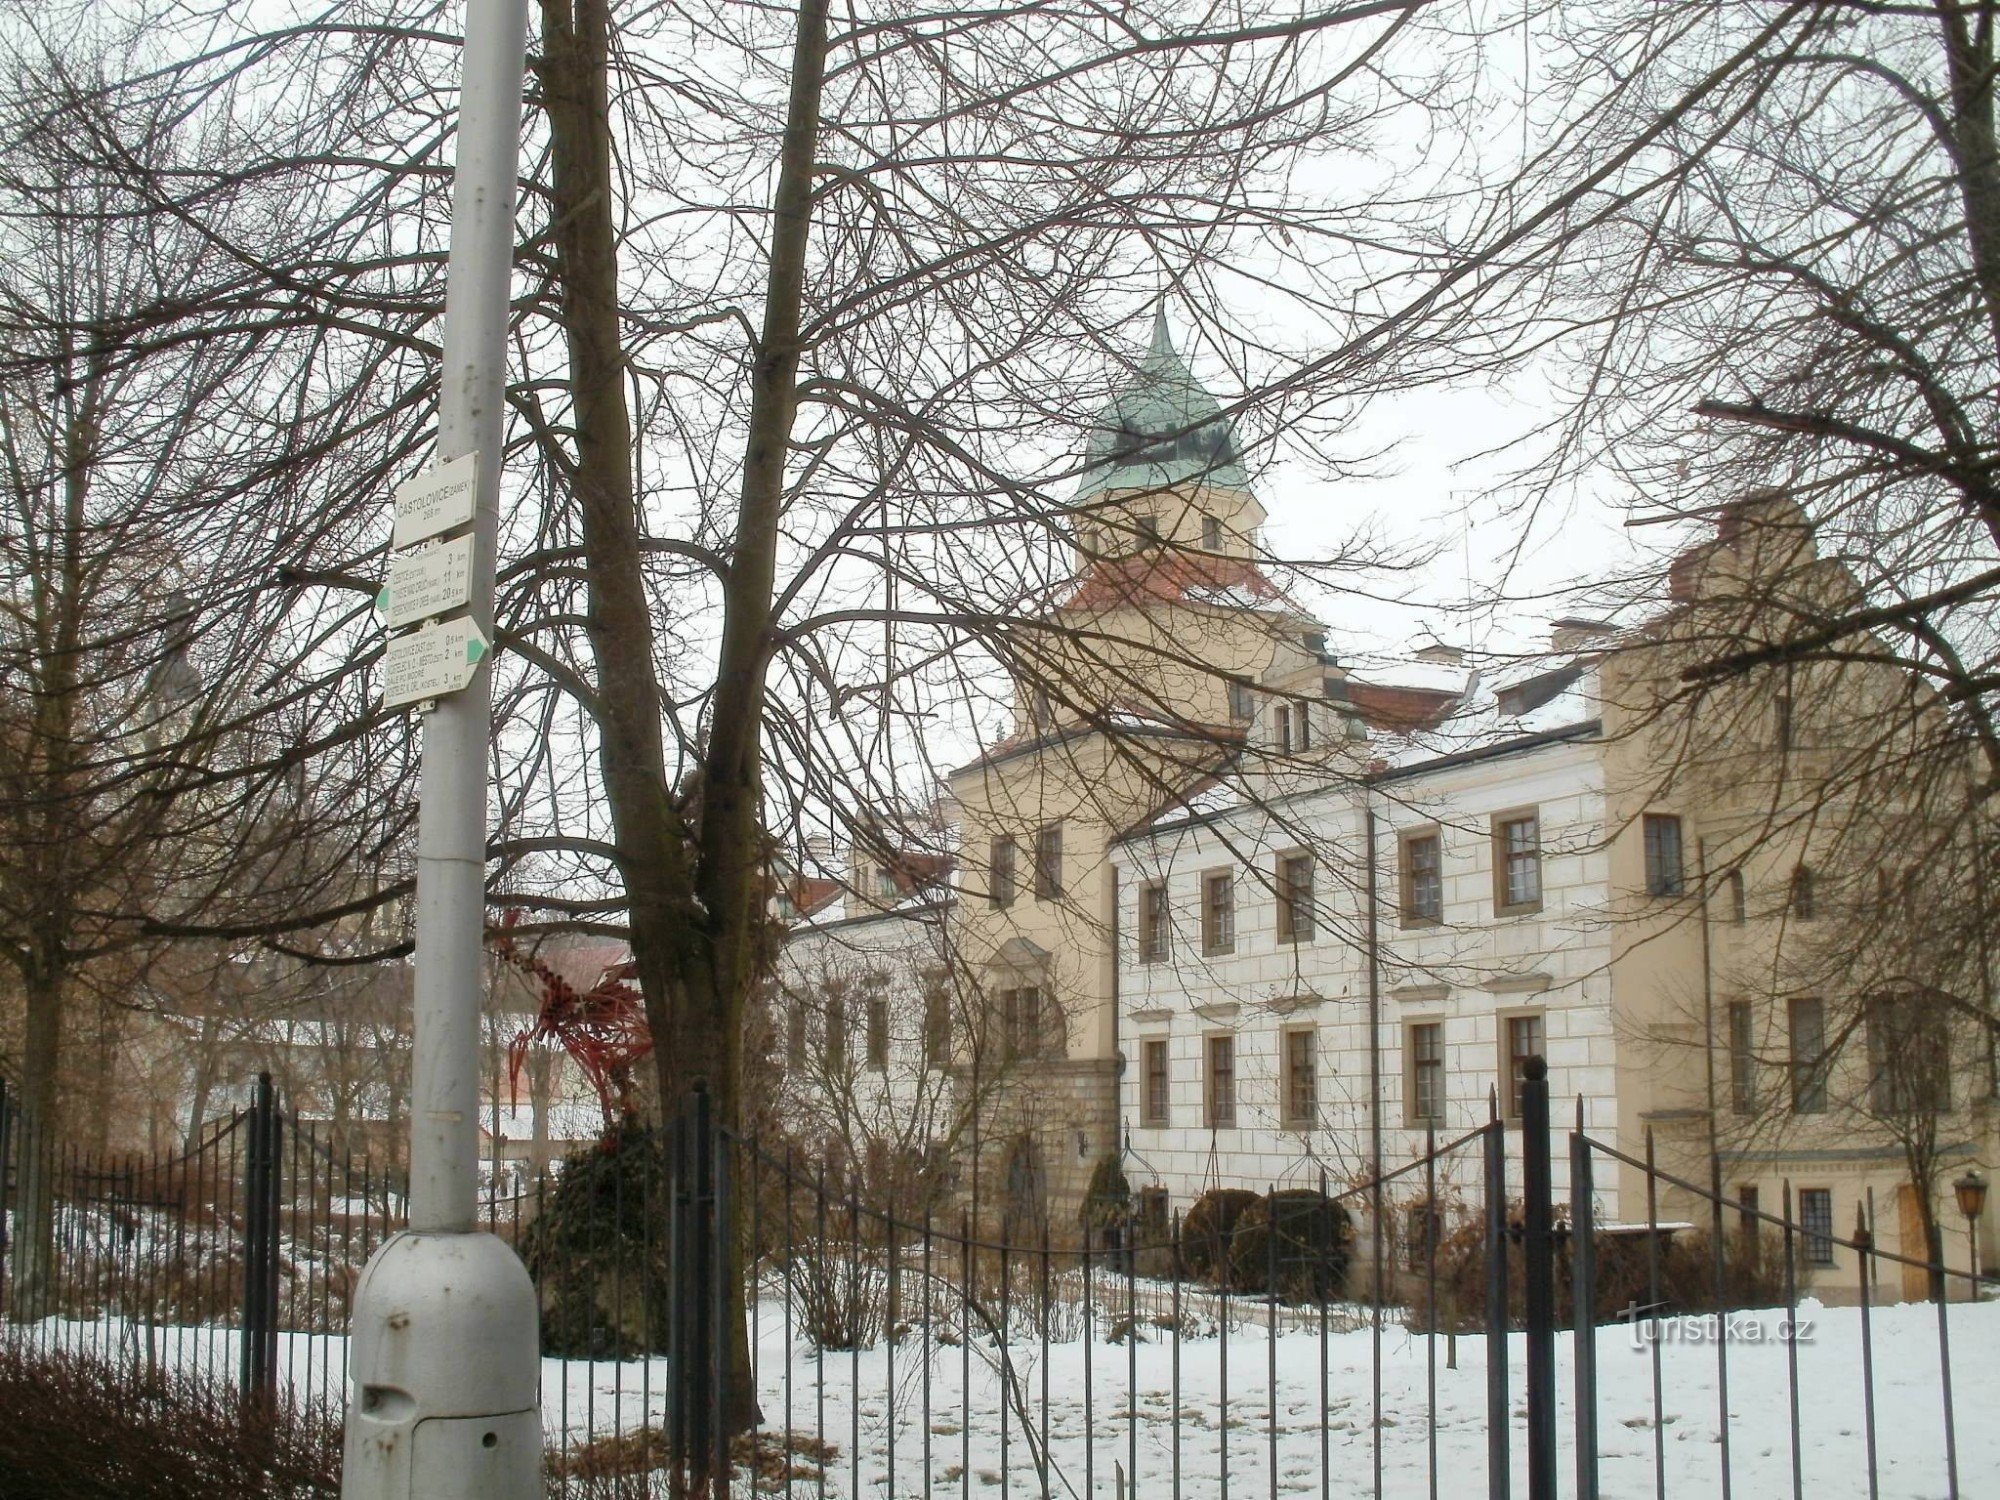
<point>1163,428</point>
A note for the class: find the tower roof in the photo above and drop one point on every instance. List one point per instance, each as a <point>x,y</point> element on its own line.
<point>1163,428</point>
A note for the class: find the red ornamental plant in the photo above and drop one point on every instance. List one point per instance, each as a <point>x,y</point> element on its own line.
<point>603,1027</point>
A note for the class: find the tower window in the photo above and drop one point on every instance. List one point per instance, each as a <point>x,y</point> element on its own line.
<point>1211,534</point>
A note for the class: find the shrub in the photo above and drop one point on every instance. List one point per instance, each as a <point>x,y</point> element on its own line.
<point>1106,1209</point>
<point>1206,1232</point>
<point>82,1429</point>
<point>840,1301</point>
<point>598,1249</point>
<point>1313,1236</point>
<point>1753,1276</point>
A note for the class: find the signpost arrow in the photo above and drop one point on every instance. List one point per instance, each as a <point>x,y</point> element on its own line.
<point>434,581</point>
<point>431,662</point>
<point>436,501</point>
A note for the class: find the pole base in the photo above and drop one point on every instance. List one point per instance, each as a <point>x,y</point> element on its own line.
<point>444,1374</point>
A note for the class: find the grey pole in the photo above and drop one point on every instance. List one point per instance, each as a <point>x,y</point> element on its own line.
<point>451,825</point>
<point>444,1360</point>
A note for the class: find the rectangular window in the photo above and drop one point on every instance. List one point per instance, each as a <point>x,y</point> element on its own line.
<point>1282,730</point>
<point>1295,899</point>
<point>1426,1054</point>
<point>1048,862</point>
<point>1301,1078</point>
<point>1742,1060</point>
<point>1219,1084</point>
<point>1024,1022</point>
<point>1517,862</point>
<point>1153,1102</point>
<point>1664,875</point>
<point>1000,872</point>
<point>1747,1202</point>
<point>1816,1225</point>
<point>1211,534</point>
<point>1218,912</point>
<point>1423,879</point>
<point>937,1021</point>
<point>1242,705</point>
<point>1909,1056</point>
<point>795,1034</point>
<point>1152,922</point>
<point>836,1034</point>
<point>1302,727</point>
<point>1782,721</point>
<point>1808,1055</point>
<point>1524,1040</point>
<point>878,1032</point>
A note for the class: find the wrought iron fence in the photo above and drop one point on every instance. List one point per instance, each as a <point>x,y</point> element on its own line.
<point>723,1313</point>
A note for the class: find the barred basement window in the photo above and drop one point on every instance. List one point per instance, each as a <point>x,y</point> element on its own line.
<point>1816,1224</point>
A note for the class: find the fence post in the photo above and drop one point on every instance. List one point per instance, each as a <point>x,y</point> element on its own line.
<point>1498,1457</point>
<point>1583,1305</point>
<point>6,1138</point>
<point>1538,1288</point>
<point>693,1405</point>
<point>257,1359</point>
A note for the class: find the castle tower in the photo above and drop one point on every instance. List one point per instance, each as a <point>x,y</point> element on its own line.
<point>1166,656</point>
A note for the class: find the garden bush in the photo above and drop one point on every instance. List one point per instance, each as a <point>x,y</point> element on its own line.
<point>598,1249</point>
<point>1208,1228</point>
<point>1314,1236</point>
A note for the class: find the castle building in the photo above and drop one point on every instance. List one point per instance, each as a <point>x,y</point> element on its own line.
<point>1228,913</point>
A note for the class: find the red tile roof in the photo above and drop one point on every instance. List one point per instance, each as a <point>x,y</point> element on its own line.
<point>1170,578</point>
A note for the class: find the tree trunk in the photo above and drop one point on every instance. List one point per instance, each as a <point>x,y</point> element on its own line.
<point>693,907</point>
<point>34,1202</point>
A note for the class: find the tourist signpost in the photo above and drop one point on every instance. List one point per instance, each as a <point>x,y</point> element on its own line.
<point>444,1362</point>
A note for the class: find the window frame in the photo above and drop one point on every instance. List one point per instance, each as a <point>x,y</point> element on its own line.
<point>1415,1068</point>
<point>1156,1103</point>
<point>1155,937</point>
<point>1740,1041</point>
<point>1293,1116</point>
<point>876,1039</point>
<point>1800,902</point>
<point>1218,1110</point>
<point>1513,1064</point>
<point>1663,882</point>
<point>1218,925</point>
<point>1003,871</point>
<point>1808,1074</point>
<point>1501,822</point>
<point>1406,871</point>
<point>1297,916</point>
<point>1049,861</point>
<point>937,1021</point>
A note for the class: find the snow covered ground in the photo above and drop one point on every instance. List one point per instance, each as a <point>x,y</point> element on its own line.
<point>1134,1394</point>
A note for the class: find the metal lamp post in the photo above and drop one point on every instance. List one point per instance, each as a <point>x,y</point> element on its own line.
<point>1971,1191</point>
<point>444,1361</point>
